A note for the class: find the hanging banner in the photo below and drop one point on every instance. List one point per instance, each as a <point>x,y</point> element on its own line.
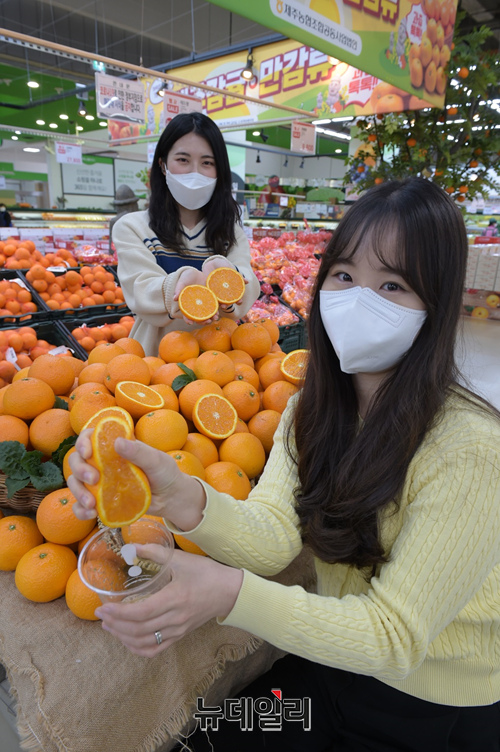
<point>303,138</point>
<point>68,153</point>
<point>119,98</point>
<point>375,36</point>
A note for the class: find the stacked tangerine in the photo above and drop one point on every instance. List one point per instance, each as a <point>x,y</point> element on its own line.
<point>27,347</point>
<point>90,336</point>
<point>23,254</point>
<point>15,299</point>
<point>90,286</point>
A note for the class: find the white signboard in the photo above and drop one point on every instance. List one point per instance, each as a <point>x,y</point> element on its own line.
<point>68,153</point>
<point>174,104</point>
<point>3,182</point>
<point>303,138</point>
<point>129,172</point>
<point>151,152</point>
<point>96,179</point>
<point>119,98</point>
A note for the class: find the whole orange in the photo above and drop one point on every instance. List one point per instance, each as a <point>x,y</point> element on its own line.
<point>188,463</point>
<point>18,535</point>
<point>176,347</point>
<point>244,397</point>
<point>170,399</point>
<point>243,372</point>
<point>13,429</point>
<point>57,372</point>
<point>166,374</point>
<point>85,388</point>
<point>80,599</point>
<point>56,520</point>
<point>202,447</point>
<point>126,367</point>
<point>92,374</point>
<point>213,337</point>
<point>246,451</point>
<point>276,395</point>
<point>87,406</point>
<point>104,352</point>
<point>240,356</point>
<point>43,572</point>
<point>162,429</point>
<point>214,366</point>
<point>187,545</point>
<point>131,346</point>
<point>27,398</point>
<point>264,425</point>
<point>67,471</point>
<point>227,477</point>
<point>253,339</point>
<point>49,429</point>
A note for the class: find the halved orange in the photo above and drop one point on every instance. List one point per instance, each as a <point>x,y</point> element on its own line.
<point>227,284</point>
<point>214,416</point>
<point>137,399</point>
<point>198,303</point>
<point>293,366</point>
<point>107,412</point>
<point>122,494</point>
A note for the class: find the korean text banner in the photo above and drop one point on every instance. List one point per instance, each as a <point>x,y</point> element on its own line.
<point>404,42</point>
<point>291,73</point>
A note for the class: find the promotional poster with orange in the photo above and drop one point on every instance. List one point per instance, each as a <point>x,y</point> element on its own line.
<point>406,43</point>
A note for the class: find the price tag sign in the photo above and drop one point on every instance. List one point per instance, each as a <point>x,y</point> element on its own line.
<point>68,153</point>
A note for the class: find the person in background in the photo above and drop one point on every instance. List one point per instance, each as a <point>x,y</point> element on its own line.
<point>492,230</point>
<point>192,226</point>
<point>389,470</point>
<point>5,218</point>
<point>272,194</point>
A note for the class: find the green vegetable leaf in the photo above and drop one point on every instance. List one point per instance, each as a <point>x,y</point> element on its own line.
<point>61,404</point>
<point>32,462</point>
<point>63,449</point>
<point>49,479</point>
<point>15,484</point>
<point>179,382</point>
<point>187,371</point>
<point>11,455</point>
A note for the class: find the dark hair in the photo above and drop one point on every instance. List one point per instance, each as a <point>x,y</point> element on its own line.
<point>221,212</point>
<point>492,222</point>
<point>348,476</point>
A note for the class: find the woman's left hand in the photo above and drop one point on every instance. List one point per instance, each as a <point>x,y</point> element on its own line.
<point>200,590</point>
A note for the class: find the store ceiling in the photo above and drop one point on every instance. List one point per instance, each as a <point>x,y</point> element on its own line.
<point>144,32</point>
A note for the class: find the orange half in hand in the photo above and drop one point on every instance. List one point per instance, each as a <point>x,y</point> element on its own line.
<point>227,284</point>
<point>293,366</point>
<point>122,494</point>
<point>107,412</point>
<point>137,399</point>
<point>214,416</point>
<point>198,303</point>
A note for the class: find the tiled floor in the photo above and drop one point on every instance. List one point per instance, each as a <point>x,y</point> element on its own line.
<point>478,354</point>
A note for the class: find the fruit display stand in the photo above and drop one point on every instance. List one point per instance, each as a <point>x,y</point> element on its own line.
<point>482,281</point>
<point>78,689</point>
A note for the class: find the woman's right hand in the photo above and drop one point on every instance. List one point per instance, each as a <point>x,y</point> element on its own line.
<point>191,277</point>
<point>175,495</point>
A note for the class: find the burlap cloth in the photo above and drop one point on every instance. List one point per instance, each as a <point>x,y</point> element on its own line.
<point>77,689</point>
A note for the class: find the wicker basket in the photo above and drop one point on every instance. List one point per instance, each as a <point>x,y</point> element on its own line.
<point>24,501</point>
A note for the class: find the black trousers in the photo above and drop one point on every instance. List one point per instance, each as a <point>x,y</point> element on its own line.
<point>353,713</point>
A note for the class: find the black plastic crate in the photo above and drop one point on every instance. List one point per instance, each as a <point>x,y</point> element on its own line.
<point>56,334</point>
<point>24,319</point>
<point>292,336</point>
<point>109,317</point>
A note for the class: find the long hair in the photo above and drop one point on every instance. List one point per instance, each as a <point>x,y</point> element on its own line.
<point>347,476</point>
<point>221,212</point>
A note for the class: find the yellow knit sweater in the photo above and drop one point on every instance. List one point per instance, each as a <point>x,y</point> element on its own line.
<point>429,623</point>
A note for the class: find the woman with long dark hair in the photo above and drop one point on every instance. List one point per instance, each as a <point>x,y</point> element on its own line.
<point>192,227</point>
<point>389,470</point>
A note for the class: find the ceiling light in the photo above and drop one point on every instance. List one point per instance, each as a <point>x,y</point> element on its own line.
<point>82,110</point>
<point>89,117</point>
<point>103,124</point>
<point>40,122</point>
<point>248,73</point>
<point>18,133</point>
<point>33,84</point>
<point>64,117</point>
<point>321,122</point>
<point>53,125</point>
<point>15,138</point>
<point>338,151</point>
<point>79,127</point>
<point>255,133</point>
<point>258,157</point>
<point>31,149</point>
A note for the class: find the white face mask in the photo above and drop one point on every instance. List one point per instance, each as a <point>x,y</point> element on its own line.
<point>190,189</point>
<point>368,332</point>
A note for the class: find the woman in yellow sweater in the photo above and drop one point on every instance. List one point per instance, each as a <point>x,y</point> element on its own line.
<point>390,472</point>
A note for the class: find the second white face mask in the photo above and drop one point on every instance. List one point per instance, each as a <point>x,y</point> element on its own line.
<point>368,332</point>
<point>192,190</point>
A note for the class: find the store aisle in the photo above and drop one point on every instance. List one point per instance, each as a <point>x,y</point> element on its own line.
<point>478,356</point>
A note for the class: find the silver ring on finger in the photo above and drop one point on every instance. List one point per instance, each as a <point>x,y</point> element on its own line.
<point>158,638</point>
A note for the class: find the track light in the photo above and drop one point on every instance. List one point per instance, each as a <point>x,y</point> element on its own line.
<point>258,157</point>
<point>263,136</point>
<point>82,110</point>
<point>302,163</point>
<point>247,72</point>
<point>285,163</point>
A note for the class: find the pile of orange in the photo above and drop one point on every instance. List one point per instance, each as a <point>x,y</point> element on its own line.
<point>23,254</point>
<point>90,286</point>
<point>90,336</point>
<point>15,299</point>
